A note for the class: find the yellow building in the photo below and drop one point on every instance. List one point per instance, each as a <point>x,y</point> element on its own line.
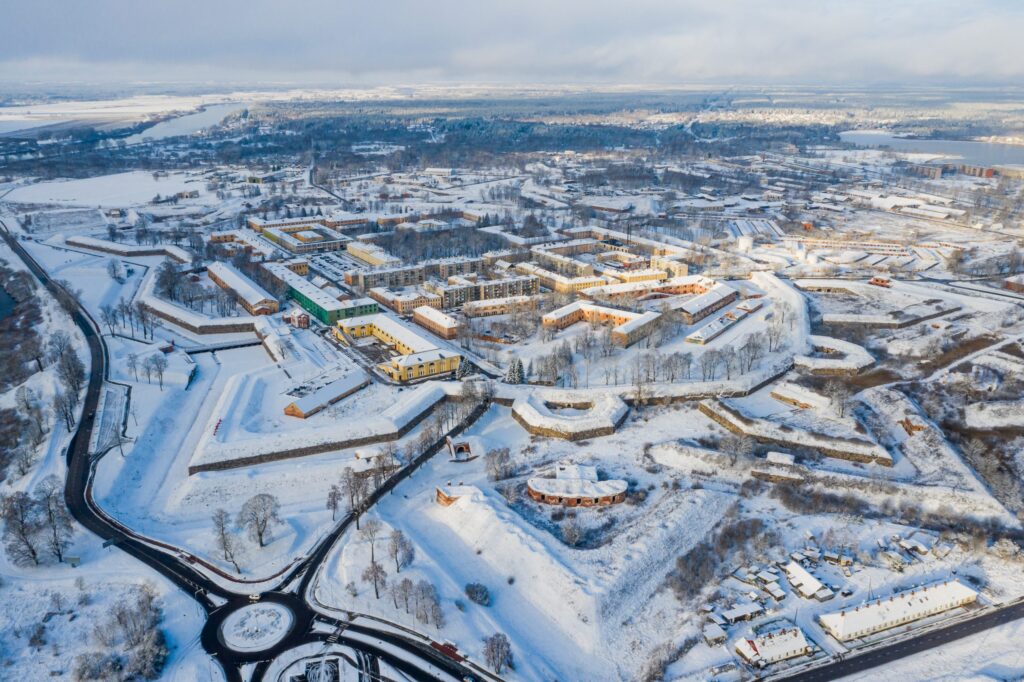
<point>418,358</point>
<point>421,365</point>
<point>560,283</point>
<point>642,275</point>
<point>627,327</point>
<point>371,254</point>
<point>404,302</point>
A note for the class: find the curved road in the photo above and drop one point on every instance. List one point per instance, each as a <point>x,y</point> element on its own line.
<point>217,601</point>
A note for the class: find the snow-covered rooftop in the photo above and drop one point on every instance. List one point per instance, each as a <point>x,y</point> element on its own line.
<point>245,288</point>
<point>897,609</point>
<point>770,647</point>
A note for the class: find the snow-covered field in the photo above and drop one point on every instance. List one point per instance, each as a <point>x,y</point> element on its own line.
<point>121,189</point>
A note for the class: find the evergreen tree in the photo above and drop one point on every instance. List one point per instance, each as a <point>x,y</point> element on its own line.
<point>514,374</point>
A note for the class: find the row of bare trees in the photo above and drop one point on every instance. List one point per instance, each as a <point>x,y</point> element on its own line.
<point>125,315</point>
<point>153,366</point>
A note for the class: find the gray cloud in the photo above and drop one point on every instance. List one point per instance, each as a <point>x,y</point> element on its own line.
<point>533,41</point>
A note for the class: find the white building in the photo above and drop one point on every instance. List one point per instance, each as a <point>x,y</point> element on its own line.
<point>772,647</point>
<point>806,584</point>
<point>742,612</point>
<point>897,609</point>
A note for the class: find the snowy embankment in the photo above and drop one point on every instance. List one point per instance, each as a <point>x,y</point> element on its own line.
<point>587,415</point>
<point>997,414</point>
<point>120,249</point>
<point>944,501</point>
<point>586,593</point>
<point>855,449</point>
<point>840,357</point>
<point>222,449</point>
<point>921,441</point>
<point>190,319</point>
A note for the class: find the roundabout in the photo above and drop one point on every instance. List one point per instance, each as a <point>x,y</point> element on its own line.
<point>256,627</point>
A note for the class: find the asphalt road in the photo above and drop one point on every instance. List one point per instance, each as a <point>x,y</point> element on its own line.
<point>191,581</point>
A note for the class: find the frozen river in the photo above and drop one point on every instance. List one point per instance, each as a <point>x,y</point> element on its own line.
<point>976,153</point>
<point>187,124</point>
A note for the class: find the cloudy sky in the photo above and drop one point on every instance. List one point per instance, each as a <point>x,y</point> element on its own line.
<point>342,42</point>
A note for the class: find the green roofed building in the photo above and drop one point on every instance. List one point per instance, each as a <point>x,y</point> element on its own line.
<point>317,302</point>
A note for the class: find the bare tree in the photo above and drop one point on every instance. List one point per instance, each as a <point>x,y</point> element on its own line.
<point>334,500</point>
<point>159,362</point>
<point>709,365</point>
<point>58,342</point>
<point>376,574</point>
<point>498,463</point>
<point>498,652</point>
<point>776,329</point>
<point>571,532</point>
<point>21,528</point>
<point>27,402</point>
<point>145,319</point>
<point>71,371</point>
<point>838,396</point>
<point>258,516</point>
<point>354,488</point>
<point>108,317</point>
<point>729,360</point>
<point>64,407</point>
<point>369,532</point>
<point>23,459</point>
<point>751,351</point>
<point>400,549</point>
<point>49,497</point>
<point>404,589</point>
<point>685,363</point>
<point>225,539</point>
<point>785,312</point>
<point>640,381</point>
<point>133,364</point>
